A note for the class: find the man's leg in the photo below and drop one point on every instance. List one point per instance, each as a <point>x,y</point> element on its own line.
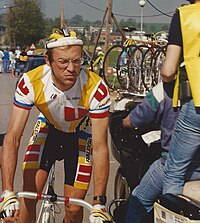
<point>34,181</point>
<point>74,213</point>
<point>184,146</point>
<point>145,194</point>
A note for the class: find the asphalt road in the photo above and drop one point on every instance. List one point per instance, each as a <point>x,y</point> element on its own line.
<point>7,87</point>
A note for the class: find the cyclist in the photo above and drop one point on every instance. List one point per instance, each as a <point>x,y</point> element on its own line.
<point>74,104</point>
<point>185,46</point>
<point>98,63</point>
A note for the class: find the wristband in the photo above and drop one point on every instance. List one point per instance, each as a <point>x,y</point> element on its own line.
<point>102,199</point>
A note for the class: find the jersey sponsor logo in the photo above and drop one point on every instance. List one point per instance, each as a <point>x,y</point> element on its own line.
<point>101,92</point>
<point>73,114</point>
<point>36,130</point>
<point>23,87</point>
<point>88,149</point>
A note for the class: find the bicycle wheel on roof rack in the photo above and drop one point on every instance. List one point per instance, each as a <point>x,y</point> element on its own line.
<point>157,63</point>
<point>122,69</point>
<point>110,67</point>
<point>147,67</point>
<point>134,67</point>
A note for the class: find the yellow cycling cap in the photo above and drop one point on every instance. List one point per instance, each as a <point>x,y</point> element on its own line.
<point>63,37</point>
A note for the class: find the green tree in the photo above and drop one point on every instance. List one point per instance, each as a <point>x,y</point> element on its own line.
<point>129,22</point>
<point>77,20</point>
<point>25,22</point>
<point>52,24</point>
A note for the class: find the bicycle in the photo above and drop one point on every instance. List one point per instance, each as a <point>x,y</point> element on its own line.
<point>125,66</point>
<point>50,201</point>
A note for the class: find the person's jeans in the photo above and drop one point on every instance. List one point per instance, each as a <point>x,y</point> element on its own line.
<point>143,196</point>
<point>6,64</point>
<point>184,147</point>
<point>146,193</point>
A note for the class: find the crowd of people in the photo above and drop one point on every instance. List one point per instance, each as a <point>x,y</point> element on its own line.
<point>12,60</point>
<point>74,105</point>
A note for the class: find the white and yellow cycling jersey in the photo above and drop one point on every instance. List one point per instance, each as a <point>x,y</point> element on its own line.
<point>67,110</point>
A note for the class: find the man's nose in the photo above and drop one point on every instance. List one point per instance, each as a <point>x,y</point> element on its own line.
<point>70,66</point>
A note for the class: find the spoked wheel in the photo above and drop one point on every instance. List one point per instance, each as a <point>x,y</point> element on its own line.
<point>121,188</point>
<point>110,67</point>
<point>157,63</point>
<point>147,68</point>
<point>122,69</point>
<point>134,67</point>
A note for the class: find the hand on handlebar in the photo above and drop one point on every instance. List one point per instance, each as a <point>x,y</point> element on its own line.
<point>9,206</point>
<point>99,214</point>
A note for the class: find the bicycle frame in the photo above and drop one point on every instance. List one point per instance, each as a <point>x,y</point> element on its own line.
<point>48,207</point>
<point>50,200</point>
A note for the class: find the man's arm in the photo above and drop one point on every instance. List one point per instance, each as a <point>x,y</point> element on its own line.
<point>171,63</point>
<point>100,155</point>
<point>10,146</point>
<point>149,111</point>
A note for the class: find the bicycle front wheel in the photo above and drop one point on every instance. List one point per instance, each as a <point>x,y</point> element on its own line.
<point>121,188</point>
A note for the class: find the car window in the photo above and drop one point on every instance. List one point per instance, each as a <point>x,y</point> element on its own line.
<point>34,62</point>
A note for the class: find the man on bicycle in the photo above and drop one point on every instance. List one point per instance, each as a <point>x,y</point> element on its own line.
<point>74,104</point>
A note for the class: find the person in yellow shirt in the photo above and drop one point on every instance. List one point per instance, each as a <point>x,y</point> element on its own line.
<point>186,137</point>
<point>98,63</point>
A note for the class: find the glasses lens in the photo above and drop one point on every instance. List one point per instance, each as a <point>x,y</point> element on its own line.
<point>77,61</point>
<point>63,63</point>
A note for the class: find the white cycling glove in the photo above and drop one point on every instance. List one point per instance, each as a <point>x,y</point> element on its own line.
<point>8,204</point>
<point>99,214</point>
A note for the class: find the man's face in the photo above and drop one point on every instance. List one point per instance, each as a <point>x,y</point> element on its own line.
<point>66,64</point>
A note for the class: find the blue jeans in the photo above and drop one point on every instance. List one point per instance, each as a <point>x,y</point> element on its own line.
<point>146,193</point>
<point>185,145</point>
<point>6,64</point>
<point>143,196</point>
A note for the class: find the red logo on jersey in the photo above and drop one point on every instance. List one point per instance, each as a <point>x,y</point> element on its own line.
<point>101,92</point>
<point>23,87</point>
<point>72,114</point>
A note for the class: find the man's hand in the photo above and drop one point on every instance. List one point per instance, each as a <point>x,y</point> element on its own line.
<point>9,206</point>
<point>99,214</point>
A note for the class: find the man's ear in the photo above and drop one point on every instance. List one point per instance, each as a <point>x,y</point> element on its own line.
<point>47,60</point>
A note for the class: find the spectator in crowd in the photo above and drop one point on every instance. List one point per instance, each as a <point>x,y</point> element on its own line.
<point>98,63</point>
<point>12,57</point>
<point>1,60</point>
<point>6,61</point>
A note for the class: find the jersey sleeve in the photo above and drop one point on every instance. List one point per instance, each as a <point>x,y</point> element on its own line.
<point>24,94</point>
<point>100,102</point>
